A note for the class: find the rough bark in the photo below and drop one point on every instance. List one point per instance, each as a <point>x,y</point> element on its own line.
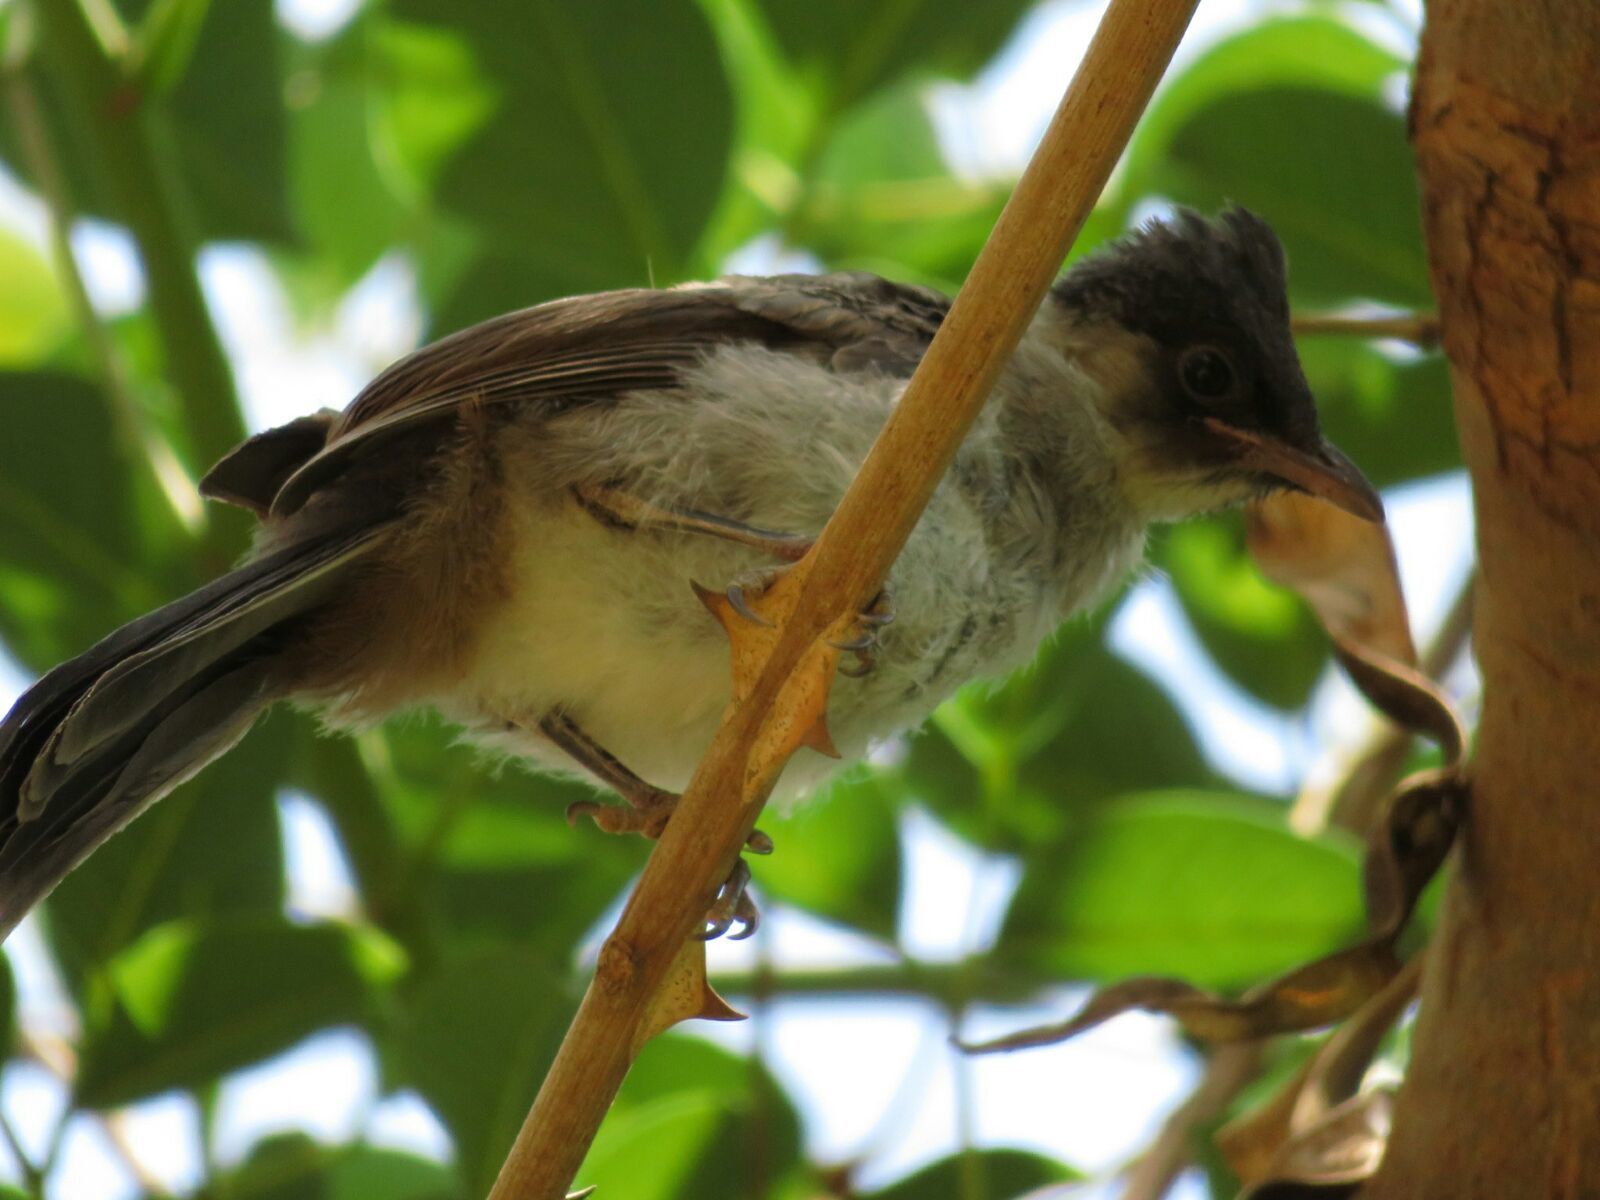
<point>1503,1096</point>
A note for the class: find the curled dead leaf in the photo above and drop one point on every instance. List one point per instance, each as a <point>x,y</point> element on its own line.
<point>1343,566</point>
<point>1334,1156</point>
<point>1257,1145</point>
<point>1405,850</point>
<point>1406,696</point>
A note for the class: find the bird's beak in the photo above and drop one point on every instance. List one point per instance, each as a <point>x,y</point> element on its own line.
<point>1324,472</point>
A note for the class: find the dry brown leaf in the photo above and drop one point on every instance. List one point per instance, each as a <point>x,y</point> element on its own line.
<point>1406,696</point>
<point>1316,994</point>
<point>1249,1143</point>
<point>1405,850</point>
<point>1333,1156</point>
<point>1408,845</point>
<point>1254,1144</point>
<point>1343,566</point>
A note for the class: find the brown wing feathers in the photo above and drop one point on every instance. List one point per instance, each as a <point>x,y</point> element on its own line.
<point>103,735</point>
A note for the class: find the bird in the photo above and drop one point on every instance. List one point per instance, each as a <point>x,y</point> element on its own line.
<point>509,526</point>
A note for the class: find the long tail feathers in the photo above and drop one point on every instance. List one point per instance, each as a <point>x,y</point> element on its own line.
<point>101,737</point>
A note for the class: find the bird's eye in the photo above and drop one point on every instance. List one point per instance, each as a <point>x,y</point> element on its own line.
<point>1206,372</point>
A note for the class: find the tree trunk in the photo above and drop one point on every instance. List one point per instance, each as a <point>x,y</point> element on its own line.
<point>1503,1095</point>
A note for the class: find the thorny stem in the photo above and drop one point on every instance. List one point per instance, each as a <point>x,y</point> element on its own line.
<point>1127,58</point>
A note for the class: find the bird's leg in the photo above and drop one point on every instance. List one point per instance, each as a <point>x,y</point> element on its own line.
<point>613,506</point>
<point>647,812</point>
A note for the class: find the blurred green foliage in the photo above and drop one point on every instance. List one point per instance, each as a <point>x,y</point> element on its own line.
<point>514,152</point>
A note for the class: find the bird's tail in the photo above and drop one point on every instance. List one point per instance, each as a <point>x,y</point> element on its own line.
<point>101,737</point>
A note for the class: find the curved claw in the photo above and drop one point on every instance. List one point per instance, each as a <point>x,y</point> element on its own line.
<point>859,670</point>
<point>749,923</point>
<point>733,906</point>
<point>740,606</point>
<point>865,642</point>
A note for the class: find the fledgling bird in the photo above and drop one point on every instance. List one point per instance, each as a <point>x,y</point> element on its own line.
<point>505,525</point>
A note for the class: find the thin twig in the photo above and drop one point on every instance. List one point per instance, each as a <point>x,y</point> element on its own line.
<point>144,444</point>
<point>32,1176</point>
<point>1230,1070</point>
<point>1420,329</point>
<point>58,1058</point>
<point>852,556</point>
<point>114,1126</point>
<point>82,54</point>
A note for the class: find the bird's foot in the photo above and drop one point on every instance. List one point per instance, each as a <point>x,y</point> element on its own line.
<point>863,643</point>
<point>745,587</point>
<point>646,813</point>
<point>733,906</point>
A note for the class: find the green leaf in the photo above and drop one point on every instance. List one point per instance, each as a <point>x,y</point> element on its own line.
<point>1288,118</point>
<point>8,1008</point>
<point>227,121</point>
<point>213,846</point>
<point>1395,419</point>
<point>295,1166</point>
<point>371,1173</point>
<point>1307,51</point>
<point>165,41</point>
<point>1014,767</point>
<point>603,157</point>
<point>475,1039</point>
<point>1120,731</point>
<point>1211,887</point>
<point>1332,173</point>
<point>346,207</point>
<point>710,1124</point>
<point>73,560</point>
<point>881,197</point>
<point>197,998</point>
<point>34,315</point>
<point>217,130</point>
<point>777,121</point>
<point>490,852</point>
<point>838,853</point>
<point>850,49</point>
<point>1262,635</point>
<point>998,1173</point>
<point>217,103</point>
<point>431,94</point>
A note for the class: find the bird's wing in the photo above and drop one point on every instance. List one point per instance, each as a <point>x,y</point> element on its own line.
<point>587,350</point>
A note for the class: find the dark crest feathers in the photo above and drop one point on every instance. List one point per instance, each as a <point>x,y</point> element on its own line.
<point>1165,277</point>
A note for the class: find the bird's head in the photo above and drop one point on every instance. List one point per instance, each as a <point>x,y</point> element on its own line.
<point>1189,319</point>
